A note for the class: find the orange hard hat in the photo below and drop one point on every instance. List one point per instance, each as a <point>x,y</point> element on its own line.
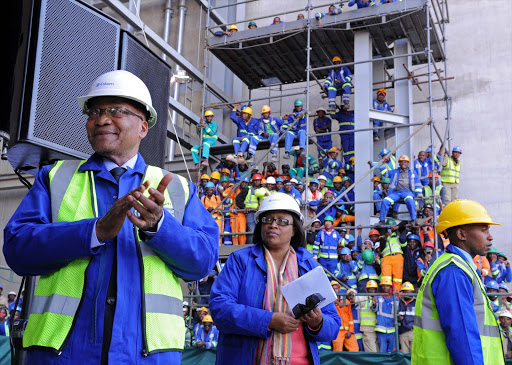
<point>374,232</point>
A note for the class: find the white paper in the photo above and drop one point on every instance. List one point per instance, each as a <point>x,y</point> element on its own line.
<point>315,281</point>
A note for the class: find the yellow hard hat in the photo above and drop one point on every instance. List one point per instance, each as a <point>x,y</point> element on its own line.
<point>205,177</point>
<point>376,178</point>
<point>207,318</point>
<point>352,160</point>
<point>203,309</point>
<point>337,179</point>
<point>336,59</point>
<point>247,110</point>
<point>264,181</point>
<point>215,175</point>
<point>407,287</point>
<point>371,284</point>
<point>461,212</point>
<point>332,149</point>
<point>265,109</point>
<point>225,170</point>
<point>351,291</point>
<point>381,91</point>
<point>334,282</point>
<point>404,158</point>
<point>208,113</point>
<point>386,281</point>
<point>233,27</point>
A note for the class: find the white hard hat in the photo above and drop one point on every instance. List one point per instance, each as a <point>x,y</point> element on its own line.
<point>321,177</point>
<point>123,84</point>
<point>294,180</point>
<point>271,180</point>
<point>230,158</point>
<point>279,201</point>
<point>505,313</point>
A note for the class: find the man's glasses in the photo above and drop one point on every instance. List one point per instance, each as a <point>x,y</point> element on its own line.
<point>110,112</point>
<point>279,221</point>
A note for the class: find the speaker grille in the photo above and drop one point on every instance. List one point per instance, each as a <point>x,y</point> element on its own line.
<point>156,74</point>
<point>75,46</point>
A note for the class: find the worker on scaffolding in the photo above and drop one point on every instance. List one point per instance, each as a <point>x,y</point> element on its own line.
<point>345,120</point>
<point>322,124</point>
<point>231,30</point>
<point>454,322</point>
<point>269,128</point>
<point>388,163</point>
<point>252,25</point>
<point>247,128</point>
<point>325,248</point>
<point>210,202</point>
<point>338,79</point>
<point>332,165</point>
<point>225,183</point>
<point>381,104</point>
<point>422,168</point>
<point>405,186</point>
<point>208,132</point>
<point>450,174</point>
<point>360,3</point>
<point>295,127</point>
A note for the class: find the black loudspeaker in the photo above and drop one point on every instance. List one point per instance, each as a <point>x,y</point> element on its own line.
<point>61,47</point>
<point>156,74</point>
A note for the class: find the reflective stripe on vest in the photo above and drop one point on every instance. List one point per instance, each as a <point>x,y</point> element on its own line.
<point>428,333</point>
<point>392,246</point>
<point>450,173</point>
<point>368,317</point>
<point>58,295</point>
<point>325,251</point>
<point>251,201</point>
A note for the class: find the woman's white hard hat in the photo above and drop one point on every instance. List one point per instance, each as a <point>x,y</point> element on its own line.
<point>279,201</point>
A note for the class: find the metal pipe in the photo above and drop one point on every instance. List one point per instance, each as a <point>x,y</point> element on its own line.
<point>322,68</point>
<point>179,47</point>
<point>308,66</point>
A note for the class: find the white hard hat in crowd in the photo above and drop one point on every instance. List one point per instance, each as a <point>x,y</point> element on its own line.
<point>123,84</point>
<point>11,292</point>
<point>271,180</point>
<point>279,201</point>
<point>294,180</point>
<point>505,313</point>
<point>321,177</point>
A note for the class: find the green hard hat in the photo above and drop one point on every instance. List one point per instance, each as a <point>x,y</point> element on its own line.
<point>329,218</point>
<point>385,180</point>
<point>503,254</point>
<point>493,250</point>
<point>298,102</point>
<point>368,256</point>
<point>391,222</point>
<point>252,23</point>
<point>328,183</point>
<point>224,178</point>
<point>345,178</point>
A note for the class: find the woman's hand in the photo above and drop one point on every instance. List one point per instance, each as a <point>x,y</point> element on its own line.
<point>283,323</point>
<point>313,318</point>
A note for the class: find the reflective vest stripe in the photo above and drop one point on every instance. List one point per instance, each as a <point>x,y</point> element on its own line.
<point>392,246</point>
<point>450,173</point>
<point>54,303</point>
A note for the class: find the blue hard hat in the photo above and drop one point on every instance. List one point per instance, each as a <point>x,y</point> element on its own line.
<point>384,152</point>
<point>345,251</point>
<point>350,238</point>
<point>492,284</point>
<point>314,181</point>
<point>279,179</point>
<point>457,149</point>
<point>413,237</point>
<point>355,249</point>
<point>503,286</point>
<point>209,184</point>
<point>429,149</point>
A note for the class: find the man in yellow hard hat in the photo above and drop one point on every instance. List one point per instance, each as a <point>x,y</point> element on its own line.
<point>229,32</point>
<point>454,322</point>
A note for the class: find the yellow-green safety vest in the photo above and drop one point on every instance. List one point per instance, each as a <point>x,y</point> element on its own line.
<point>429,345</point>
<point>368,317</point>
<point>59,294</point>
<point>251,199</point>
<point>393,245</point>
<point>450,173</point>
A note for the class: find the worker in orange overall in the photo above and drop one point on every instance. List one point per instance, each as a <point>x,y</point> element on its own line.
<point>346,337</point>
<point>210,202</point>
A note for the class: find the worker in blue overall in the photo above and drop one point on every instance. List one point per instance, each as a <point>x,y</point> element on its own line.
<point>389,163</point>
<point>345,120</point>
<point>295,127</point>
<point>322,124</point>
<point>247,128</point>
<point>422,168</point>
<point>269,128</point>
<point>347,269</point>
<point>405,186</point>
<point>381,104</point>
<point>332,165</point>
<point>339,78</point>
<point>325,248</point>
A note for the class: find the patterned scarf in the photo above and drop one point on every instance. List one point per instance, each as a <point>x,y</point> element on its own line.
<point>278,348</point>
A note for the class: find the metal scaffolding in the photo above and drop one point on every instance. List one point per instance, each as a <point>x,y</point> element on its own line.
<point>398,36</point>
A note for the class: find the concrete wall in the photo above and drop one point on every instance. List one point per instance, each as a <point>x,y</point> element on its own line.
<point>479,53</point>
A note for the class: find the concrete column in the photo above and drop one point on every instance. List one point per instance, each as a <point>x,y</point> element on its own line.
<point>364,139</point>
<point>403,95</point>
